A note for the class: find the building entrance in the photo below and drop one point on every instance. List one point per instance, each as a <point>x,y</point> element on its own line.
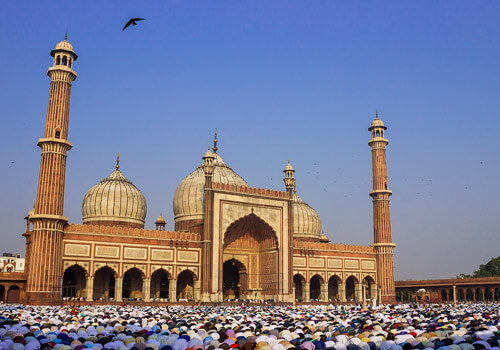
<point>250,252</point>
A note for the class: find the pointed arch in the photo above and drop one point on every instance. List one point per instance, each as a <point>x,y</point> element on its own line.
<point>369,287</point>
<point>74,281</point>
<point>132,283</point>
<point>185,285</point>
<point>350,287</point>
<point>260,244</point>
<point>160,284</point>
<point>234,279</point>
<point>299,282</point>
<point>315,287</point>
<point>333,287</point>
<point>260,233</point>
<point>13,294</point>
<point>104,283</point>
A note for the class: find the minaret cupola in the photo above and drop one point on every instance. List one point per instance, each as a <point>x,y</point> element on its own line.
<point>63,54</point>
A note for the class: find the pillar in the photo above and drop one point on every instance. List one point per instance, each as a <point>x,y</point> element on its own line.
<point>454,294</point>
<point>358,291</point>
<point>172,290</point>
<point>146,289</point>
<point>373,291</point>
<point>342,291</point>
<point>197,284</point>
<point>90,288</point>
<point>118,288</point>
<point>324,291</point>
<point>307,291</point>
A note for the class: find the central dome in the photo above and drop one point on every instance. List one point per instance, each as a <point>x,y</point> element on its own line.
<point>114,201</point>
<point>188,197</point>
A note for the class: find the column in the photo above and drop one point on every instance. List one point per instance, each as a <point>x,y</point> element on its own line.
<point>197,285</point>
<point>146,289</point>
<point>342,291</point>
<point>324,291</point>
<point>307,291</point>
<point>483,293</point>
<point>454,294</point>
<point>358,291</point>
<point>172,290</point>
<point>90,288</point>
<point>118,288</point>
<point>373,291</point>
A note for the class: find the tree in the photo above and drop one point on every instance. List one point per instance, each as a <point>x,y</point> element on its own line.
<point>490,269</point>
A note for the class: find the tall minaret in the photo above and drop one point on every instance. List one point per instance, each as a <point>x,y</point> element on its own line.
<point>382,214</point>
<point>45,268</point>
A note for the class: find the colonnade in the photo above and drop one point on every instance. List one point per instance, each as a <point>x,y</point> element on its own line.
<point>316,289</point>
<point>133,285</point>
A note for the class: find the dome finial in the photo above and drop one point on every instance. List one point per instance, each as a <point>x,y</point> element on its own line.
<point>214,149</point>
<point>66,36</point>
<point>376,114</point>
<point>118,161</point>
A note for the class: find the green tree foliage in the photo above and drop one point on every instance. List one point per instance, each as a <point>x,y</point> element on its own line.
<point>490,269</point>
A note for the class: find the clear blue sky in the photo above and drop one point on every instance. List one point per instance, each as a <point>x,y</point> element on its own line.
<point>297,80</point>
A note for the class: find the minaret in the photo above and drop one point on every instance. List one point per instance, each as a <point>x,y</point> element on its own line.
<point>289,181</point>
<point>206,248</point>
<point>45,268</point>
<point>381,214</point>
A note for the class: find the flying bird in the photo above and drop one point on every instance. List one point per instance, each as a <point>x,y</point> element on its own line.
<point>132,21</point>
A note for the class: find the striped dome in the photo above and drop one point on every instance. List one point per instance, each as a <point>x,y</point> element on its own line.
<point>116,200</point>
<point>188,197</point>
<point>306,221</point>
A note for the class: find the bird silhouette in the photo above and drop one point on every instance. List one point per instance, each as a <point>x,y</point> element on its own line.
<point>132,21</point>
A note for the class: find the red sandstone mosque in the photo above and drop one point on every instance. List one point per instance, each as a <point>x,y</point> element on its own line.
<point>231,241</point>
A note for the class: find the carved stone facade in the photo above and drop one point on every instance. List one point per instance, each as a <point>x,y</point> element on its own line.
<point>232,241</point>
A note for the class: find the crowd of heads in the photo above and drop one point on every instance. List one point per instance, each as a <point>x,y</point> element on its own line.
<point>398,327</point>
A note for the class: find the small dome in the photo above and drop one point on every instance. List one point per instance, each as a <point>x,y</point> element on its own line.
<point>64,46</point>
<point>377,122</point>
<point>208,154</point>
<point>114,200</point>
<point>188,197</point>
<point>289,167</point>
<point>160,220</point>
<point>306,221</point>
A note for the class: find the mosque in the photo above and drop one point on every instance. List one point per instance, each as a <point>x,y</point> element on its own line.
<point>231,240</point>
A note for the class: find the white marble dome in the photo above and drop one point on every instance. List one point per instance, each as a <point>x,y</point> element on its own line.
<point>188,197</point>
<point>116,200</point>
<point>306,221</point>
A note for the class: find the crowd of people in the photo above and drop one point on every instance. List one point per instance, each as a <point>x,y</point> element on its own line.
<point>391,327</point>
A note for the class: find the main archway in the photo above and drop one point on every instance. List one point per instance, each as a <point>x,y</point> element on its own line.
<point>252,243</point>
